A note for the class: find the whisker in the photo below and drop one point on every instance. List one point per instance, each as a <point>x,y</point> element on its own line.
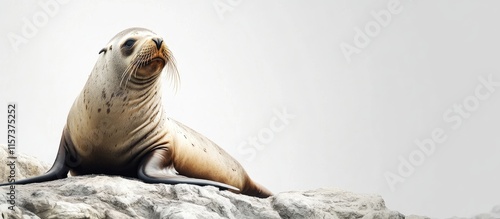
<point>124,74</point>
<point>173,74</point>
<point>142,58</point>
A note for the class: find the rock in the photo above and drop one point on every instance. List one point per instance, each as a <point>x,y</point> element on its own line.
<point>26,165</point>
<point>493,214</point>
<point>416,217</point>
<point>99,196</point>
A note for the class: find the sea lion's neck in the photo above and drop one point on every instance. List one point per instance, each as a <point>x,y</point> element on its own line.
<point>107,101</point>
<point>143,92</point>
<point>114,112</point>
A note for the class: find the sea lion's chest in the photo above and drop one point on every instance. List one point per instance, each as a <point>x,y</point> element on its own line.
<point>113,125</point>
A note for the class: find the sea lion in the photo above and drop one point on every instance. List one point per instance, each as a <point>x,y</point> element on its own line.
<point>117,125</point>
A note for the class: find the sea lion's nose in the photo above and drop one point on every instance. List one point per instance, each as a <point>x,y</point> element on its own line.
<point>158,41</point>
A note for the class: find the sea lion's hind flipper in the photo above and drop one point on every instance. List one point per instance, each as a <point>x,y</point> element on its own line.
<point>154,169</point>
<point>58,170</point>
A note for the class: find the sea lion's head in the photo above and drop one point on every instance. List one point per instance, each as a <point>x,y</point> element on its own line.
<point>139,56</point>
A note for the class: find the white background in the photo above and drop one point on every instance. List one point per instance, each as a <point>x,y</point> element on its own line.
<point>353,120</point>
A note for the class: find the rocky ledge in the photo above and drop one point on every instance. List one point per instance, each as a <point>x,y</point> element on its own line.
<point>98,196</point>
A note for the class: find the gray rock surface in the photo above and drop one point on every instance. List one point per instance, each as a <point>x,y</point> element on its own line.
<point>26,165</point>
<point>493,214</point>
<point>98,196</point>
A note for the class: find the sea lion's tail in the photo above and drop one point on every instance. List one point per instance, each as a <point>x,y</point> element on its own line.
<point>254,189</point>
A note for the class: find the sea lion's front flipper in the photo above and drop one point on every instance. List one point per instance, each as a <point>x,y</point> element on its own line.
<point>59,169</point>
<point>155,168</point>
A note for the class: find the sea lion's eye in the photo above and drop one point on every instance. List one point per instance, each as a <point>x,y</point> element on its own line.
<point>129,43</point>
<point>128,47</point>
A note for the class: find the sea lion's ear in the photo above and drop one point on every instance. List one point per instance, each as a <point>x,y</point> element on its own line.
<point>103,50</point>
